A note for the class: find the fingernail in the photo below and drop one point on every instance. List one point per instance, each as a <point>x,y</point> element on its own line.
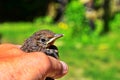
<point>65,67</point>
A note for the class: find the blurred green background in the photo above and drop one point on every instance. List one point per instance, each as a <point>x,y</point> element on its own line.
<point>91,42</point>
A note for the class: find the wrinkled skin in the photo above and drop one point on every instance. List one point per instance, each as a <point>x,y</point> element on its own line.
<point>18,65</point>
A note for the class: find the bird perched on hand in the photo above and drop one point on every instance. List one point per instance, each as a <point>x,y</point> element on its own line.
<point>42,41</point>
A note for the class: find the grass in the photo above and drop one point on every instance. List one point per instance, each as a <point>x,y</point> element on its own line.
<point>88,57</point>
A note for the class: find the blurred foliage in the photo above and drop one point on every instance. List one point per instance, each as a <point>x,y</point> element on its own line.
<point>88,55</point>
<point>98,3</point>
<point>75,17</point>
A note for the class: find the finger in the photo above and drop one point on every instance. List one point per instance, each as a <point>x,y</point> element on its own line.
<point>18,46</point>
<point>9,50</point>
<point>26,67</point>
<point>64,69</point>
<point>6,46</point>
<point>59,68</point>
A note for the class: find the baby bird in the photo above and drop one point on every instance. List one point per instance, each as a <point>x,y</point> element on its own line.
<point>42,41</point>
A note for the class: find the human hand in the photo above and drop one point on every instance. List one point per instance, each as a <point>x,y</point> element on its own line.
<point>18,65</point>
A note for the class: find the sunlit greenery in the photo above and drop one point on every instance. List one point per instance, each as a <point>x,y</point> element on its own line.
<point>88,55</point>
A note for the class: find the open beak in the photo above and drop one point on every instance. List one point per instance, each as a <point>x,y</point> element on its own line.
<point>56,36</point>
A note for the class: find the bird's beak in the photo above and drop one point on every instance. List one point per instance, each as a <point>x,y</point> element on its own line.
<point>56,36</point>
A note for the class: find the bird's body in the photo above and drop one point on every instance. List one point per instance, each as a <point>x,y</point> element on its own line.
<point>42,41</point>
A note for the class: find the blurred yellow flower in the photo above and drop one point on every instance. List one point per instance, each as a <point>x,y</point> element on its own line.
<point>84,1</point>
<point>62,25</point>
<point>103,47</point>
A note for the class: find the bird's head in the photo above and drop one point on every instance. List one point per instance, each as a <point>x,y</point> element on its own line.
<point>46,37</point>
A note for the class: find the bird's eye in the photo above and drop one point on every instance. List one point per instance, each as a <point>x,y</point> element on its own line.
<point>43,40</point>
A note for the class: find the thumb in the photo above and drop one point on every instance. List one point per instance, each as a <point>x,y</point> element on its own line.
<point>58,68</point>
